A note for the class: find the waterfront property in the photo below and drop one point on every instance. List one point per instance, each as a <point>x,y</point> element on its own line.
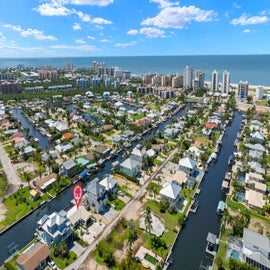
<point>253,248</point>
<point>55,228</point>
<point>35,257</point>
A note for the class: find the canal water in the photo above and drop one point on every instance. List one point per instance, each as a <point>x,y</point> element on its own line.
<point>189,249</point>
<point>23,232</point>
<point>42,139</point>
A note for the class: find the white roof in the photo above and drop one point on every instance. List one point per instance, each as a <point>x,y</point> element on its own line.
<point>255,198</point>
<point>170,190</point>
<point>187,162</point>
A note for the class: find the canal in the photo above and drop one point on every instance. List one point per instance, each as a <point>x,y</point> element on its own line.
<point>43,142</point>
<point>22,232</point>
<point>189,249</point>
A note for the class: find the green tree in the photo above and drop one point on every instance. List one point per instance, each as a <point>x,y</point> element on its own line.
<point>164,205</point>
<point>148,219</point>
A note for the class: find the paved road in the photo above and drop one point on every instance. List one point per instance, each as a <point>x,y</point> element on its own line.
<point>13,180</point>
<point>79,262</point>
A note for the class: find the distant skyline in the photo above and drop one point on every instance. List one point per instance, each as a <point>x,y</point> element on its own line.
<point>65,28</point>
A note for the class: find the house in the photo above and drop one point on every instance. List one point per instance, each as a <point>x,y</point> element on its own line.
<point>194,151</point>
<point>97,193</point>
<point>35,257</point>
<point>45,182</point>
<point>171,133</point>
<point>68,168</point>
<point>171,191</point>
<point>257,147</point>
<point>79,216</point>
<point>138,155</point>
<point>254,199</point>
<point>28,150</point>
<point>130,167</point>
<point>257,137</point>
<point>257,167</point>
<point>55,228</point>
<point>187,165</point>
<point>255,155</point>
<point>256,249</point>
<point>64,148</point>
<point>68,136</point>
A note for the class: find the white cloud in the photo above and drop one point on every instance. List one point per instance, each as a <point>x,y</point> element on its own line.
<point>78,48</point>
<point>105,41</point>
<point>244,19</point>
<point>178,17</point>
<point>152,32</point>
<point>132,43</point>
<point>235,5</point>
<point>80,41</point>
<point>76,26</point>
<point>2,37</point>
<point>53,8</point>
<point>164,3</point>
<point>91,37</point>
<point>133,32</point>
<point>92,2</point>
<point>37,34</point>
<point>246,31</point>
<point>83,17</point>
<point>100,21</point>
<point>18,48</point>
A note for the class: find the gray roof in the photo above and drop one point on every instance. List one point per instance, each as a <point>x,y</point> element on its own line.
<point>129,163</point>
<point>260,241</point>
<point>187,162</point>
<point>170,190</point>
<point>211,238</point>
<point>69,164</point>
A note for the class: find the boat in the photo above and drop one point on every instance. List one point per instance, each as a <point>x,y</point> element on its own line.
<point>194,206</point>
<point>36,139</point>
<point>221,207</point>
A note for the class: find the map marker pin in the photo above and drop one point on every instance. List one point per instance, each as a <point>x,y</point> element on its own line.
<point>77,194</point>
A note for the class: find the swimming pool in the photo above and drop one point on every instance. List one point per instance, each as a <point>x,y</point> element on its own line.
<point>239,197</point>
<point>240,178</point>
<point>235,255</point>
<point>197,174</point>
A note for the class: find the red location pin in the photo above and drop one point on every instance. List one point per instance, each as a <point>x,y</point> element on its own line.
<point>77,194</point>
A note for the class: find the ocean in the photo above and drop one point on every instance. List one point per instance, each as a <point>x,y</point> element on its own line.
<point>252,68</point>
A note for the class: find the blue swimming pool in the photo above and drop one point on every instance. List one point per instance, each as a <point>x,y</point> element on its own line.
<point>239,197</point>
<point>197,174</point>
<point>235,255</point>
<point>240,178</point>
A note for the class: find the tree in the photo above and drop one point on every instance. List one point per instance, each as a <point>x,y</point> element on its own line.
<point>148,219</point>
<point>164,205</point>
<point>27,177</point>
<point>61,250</point>
<point>132,233</point>
<point>219,263</point>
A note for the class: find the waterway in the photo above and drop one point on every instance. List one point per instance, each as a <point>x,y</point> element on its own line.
<point>23,232</point>
<point>189,249</point>
<point>43,142</point>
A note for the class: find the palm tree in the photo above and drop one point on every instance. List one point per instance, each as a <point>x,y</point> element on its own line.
<point>27,177</point>
<point>148,219</point>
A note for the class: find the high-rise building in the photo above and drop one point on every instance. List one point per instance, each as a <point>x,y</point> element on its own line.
<point>177,81</point>
<point>188,76</point>
<point>214,83</point>
<point>69,66</point>
<point>243,90</point>
<point>226,82</point>
<point>259,92</point>
<point>198,81</point>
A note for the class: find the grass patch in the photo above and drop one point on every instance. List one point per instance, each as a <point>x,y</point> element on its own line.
<point>157,162</point>
<point>109,132</point>
<point>3,183</point>
<point>117,204</point>
<point>64,262</point>
<point>150,259</point>
<point>18,205</point>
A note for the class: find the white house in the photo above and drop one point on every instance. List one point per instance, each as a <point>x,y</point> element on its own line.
<point>187,165</point>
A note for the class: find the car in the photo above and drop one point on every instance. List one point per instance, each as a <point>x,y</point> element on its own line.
<point>119,192</point>
<point>52,265</point>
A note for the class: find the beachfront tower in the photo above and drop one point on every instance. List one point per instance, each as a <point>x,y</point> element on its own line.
<point>259,92</point>
<point>243,90</point>
<point>188,76</point>
<point>198,82</point>
<point>226,82</point>
<point>214,83</point>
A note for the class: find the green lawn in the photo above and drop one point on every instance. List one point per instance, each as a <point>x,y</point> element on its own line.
<point>150,259</point>
<point>64,262</point>
<point>3,184</point>
<point>117,203</point>
<point>18,205</point>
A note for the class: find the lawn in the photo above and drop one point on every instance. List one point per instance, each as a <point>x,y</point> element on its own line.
<point>150,259</point>
<point>18,205</point>
<point>3,184</point>
<point>117,204</point>
<point>64,262</point>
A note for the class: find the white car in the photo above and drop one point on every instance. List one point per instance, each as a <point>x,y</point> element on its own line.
<point>52,265</point>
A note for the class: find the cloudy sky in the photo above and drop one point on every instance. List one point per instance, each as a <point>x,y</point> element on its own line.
<point>49,28</point>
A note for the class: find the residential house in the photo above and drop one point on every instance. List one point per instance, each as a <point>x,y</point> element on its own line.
<point>55,228</point>
<point>257,147</point>
<point>64,148</point>
<point>187,165</point>
<point>68,168</point>
<point>254,199</point>
<point>255,155</point>
<point>138,155</point>
<point>171,133</point>
<point>257,167</point>
<point>130,167</point>
<point>97,193</point>
<point>45,182</point>
<point>257,137</point>
<point>35,257</point>
<point>79,216</point>
<point>195,152</point>
<point>28,151</point>
<point>171,191</point>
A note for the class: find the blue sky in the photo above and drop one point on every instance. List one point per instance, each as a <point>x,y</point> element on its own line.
<point>55,28</point>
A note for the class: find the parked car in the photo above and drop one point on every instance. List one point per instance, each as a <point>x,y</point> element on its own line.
<point>52,264</point>
<point>119,192</point>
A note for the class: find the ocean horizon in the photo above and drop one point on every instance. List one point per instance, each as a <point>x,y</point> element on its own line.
<point>252,68</point>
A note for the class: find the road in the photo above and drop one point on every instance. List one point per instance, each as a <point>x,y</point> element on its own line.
<point>124,211</point>
<point>14,181</point>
